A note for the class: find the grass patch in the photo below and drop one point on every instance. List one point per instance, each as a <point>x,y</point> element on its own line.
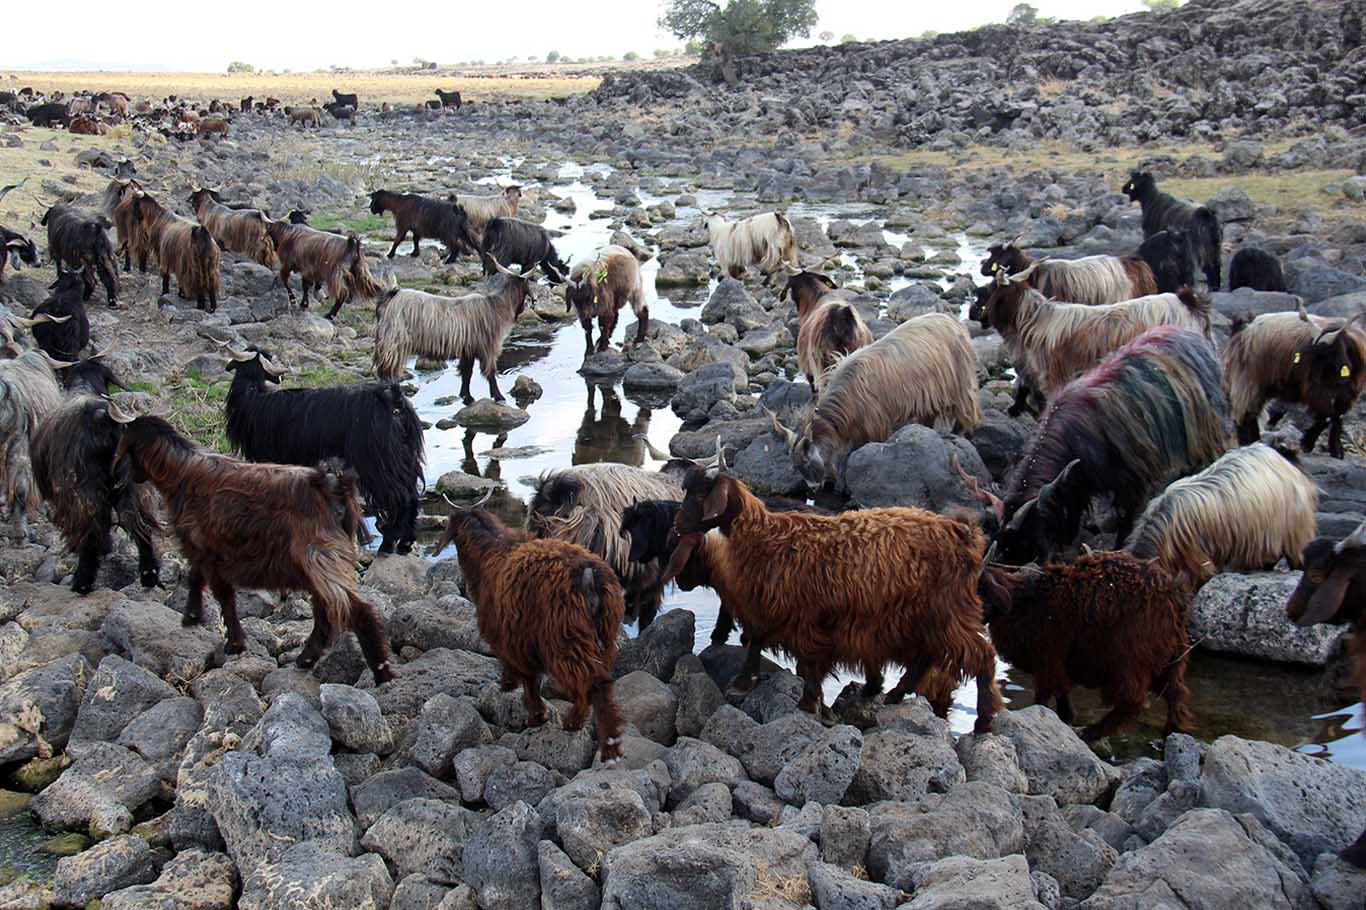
<point>1288,192</point>
<point>362,224</point>
<point>195,405</point>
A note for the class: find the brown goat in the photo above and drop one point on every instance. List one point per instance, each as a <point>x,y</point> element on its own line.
<point>544,606</point>
<point>323,260</point>
<point>120,204</point>
<point>87,125</point>
<point>260,526</point>
<point>184,249</point>
<point>869,587</point>
<point>303,116</point>
<point>216,126</point>
<point>599,286</point>
<point>241,231</point>
<point>1109,621</point>
<point>829,326</point>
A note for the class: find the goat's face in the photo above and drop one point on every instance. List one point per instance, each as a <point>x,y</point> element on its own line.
<point>201,196</point>
<point>1329,590</point>
<point>578,294</point>
<point>1002,304</point>
<point>1003,257</point>
<point>298,216</point>
<point>377,202</point>
<point>513,194</point>
<point>1332,367</point>
<point>978,309</point>
<point>93,377</point>
<point>70,284</point>
<point>1033,531</point>
<point>554,498</point>
<point>711,500</point>
<point>805,288</point>
<point>1138,184</point>
<point>810,460</point>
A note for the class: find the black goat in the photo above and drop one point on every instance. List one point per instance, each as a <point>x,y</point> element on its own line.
<point>1255,268</point>
<point>59,324</point>
<point>370,426</point>
<point>511,240</point>
<point>81,240</point>
<point>449,99</point>
<point>351,100</point>
<point>1162,212</point>
<point>1168,255</point>
<point>48,114</point>
<point>423,217</point>
<point>17,245</point>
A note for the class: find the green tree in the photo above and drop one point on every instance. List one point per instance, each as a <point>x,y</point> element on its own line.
<point>1023,14</point>
<point>826,36</point>
<point>740,26</point>
<point>849,38</point>
<point>1161,6</point>
<point>629,56</point>
<point>552,57</point>
<point>237,66</point>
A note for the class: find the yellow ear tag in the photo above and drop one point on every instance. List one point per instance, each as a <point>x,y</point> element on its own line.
<point>1345,372</point>
<point>1296,358</point>
<point>995,267</point>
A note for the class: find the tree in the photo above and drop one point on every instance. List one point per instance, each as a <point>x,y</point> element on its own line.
<point>1023,14</point>
<point>740,26</point>
<point>552,57</point>
<point>237,66</point>
<point>848,39</point>
<point>1161,6</point>
<point>826,36</point>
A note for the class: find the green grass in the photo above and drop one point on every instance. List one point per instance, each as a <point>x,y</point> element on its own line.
<point>362,224</point>
<point>1288,192</point>
<point>195,405</point>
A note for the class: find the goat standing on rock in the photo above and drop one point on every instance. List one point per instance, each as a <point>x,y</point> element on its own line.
<point>598,286</point>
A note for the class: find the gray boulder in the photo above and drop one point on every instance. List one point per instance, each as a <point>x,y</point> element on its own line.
<point>1337,885</point>
<point>915,468</point>
<point>161,733</point>
<point>648,704</point>
<point>446,726</point>
<point>658,648</point>
<point>523,781</point>
<point>473,768</point>
<point>190,880</point>
<point>977,820</point>
<point>38,708</point>
<point>768,748</point>
<point>99,792</point>
<point>588,827</point>
<point>1053,758</point>
<point>1077,861</point>
<point>1315,280</point>
<point>502,862</point>
<point>714,803</point>
<point>992,759</point>
<point>961,883</point>
<point>354,719</point>
<point>698,699</point>
<point>563,885</point>
<point>835,889</point>
<point>1245,301</point>
<point>732,304</point>
<point>426,624</point>
<point>151,636</point>
<point>1244,614</point>
<point>823,772</point>
<point>421,836</point>
<point>119,862</point>
<point>308,876</point>
<point>387,789</point>
<point>118,692</point>
<point>692,763</point>
<point>765,466</point>
<point>845,833</point>
<point>438,670</point>
<point>702,388</point>
<point>902,766</point>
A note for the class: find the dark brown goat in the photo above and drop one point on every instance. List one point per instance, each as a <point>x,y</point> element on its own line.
<point>449,99</point>
<point>323,260</point>
<point>78,238</point>
<point>544,606</point>
<point>184,248</point>
<point>120,204</point>
<point>599,286</point>
<point>829,326</point>
<point>260,526</point>
<point>241,231</point>
<point>423,217</point>
<point>1108,621</point>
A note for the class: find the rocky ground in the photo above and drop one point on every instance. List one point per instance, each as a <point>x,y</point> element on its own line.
<point>196,781</point>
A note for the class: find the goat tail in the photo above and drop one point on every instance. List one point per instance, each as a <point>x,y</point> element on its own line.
<point>392,344</point>
<point>340,485</point>
<point>359,282</point>
<point>607,719</point>
<point>1198,304</point>
<point>597,587</point>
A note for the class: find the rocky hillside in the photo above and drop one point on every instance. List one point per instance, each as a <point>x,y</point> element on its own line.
<point>1210,69</point>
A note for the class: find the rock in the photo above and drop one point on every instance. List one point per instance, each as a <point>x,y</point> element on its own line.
<point>438,670</point>
<point>425,624</point>
<point>493,415</point>
<point>651,784</point>
<point>657,650</point>
<point>151,636</point>
<point>161,733</point>
<point>961,883</point>
<point>354,719</point>
<point>977,820</point>
<point>99,792</point>
<point>683,269</point>
<point>523,781</point>
<point>1244,613</point>
<point>118,692</point>
<point>402,577</point>
<point>445,727</point>
<point>824,771</point>
<point>698,699</point>
<point>835,889</point>
<point>709,866</point>
<point>766,749</point>
<point>459,485</point>
<point>38,708</point>
<point>1078,862</point>
<point>713,803</point>
<point>701,389</point>
<point>1182,755</point>
<point>608,363</point>
<point>765,466</point>
<point>693,763</point>
<point>414,892</point>
<point>387,789</point>
<point>1314,806</point>
<point>473,768</point>
<point>307,876</point>
<point>588,827</point>
<point>753,801</point>
<point>991,758</point>
<point>190,880</point>
<point>563,885</point>
<point>1336,884</point>
<point>565,751</point>
<point>1245,301</point>
<point>108,866</point>
<point>902,766</point>
<point>732,304</point>
<point>648,704</point>
<point>1143,779</point>
<point>775,697</point>
<point>914,468</point>
<point>914,300</point>
<point>1175,870</point>
<point>1180,797</point>
<point>502,861</point>
<point>652,377</point>
<point>1232,203</point>
<point>1315,280</point>
<point>845,834</point>
<point>421,836</point>
<point>1054,759</point>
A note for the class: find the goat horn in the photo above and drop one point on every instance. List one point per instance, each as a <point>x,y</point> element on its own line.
<point>1352,541</point>
<point>55,363</point>
<point>500,267</point>
<point>119,415</point>
<point>239,356</point>
<point>98,354</point>
<point>720,454</point>
<point>25,323</point>
<point>655,453</point>
<point>271,367</point>
<point>991,553</point>
<point>1299,308</point>
<point>986,497</point>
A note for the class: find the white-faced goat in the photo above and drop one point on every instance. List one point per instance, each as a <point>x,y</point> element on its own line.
<point>599,286</point>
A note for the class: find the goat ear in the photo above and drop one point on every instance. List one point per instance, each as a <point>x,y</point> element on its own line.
<point>1050,493</point>
<point>682,553</point>
<point>1327,600</point>
<point>718,500</point>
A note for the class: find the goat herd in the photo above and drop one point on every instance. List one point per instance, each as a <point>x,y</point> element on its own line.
<point>1117,351</point>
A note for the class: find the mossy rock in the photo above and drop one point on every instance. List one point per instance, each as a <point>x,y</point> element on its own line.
<point>68,844</point>
<point>11,803</point>
<point>37,773</point>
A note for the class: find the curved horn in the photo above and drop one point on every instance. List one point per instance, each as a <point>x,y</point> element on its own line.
<point>271,367</point>
<point>22,322</point>
<point>98,354</point>
<point>119,415</point>
<point>239,356</point>
<point>1026,274</point>
<point>991,554</point>
<point>1299,308</point>
<point>479,502</point>
<point>720,454</point>
<point>55,363</point>
<point>656,454</point>
<point>986,497</point>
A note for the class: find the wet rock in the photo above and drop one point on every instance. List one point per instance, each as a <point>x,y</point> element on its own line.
<point>119,862</point>
<point>1314,806</point>
<point>683,269</point>
<point>1054,759</point>
<point>902,766</point>
<point>38,708</point>
<point>1244,613</point>
<point>610,362</point>
<point>473,768</point>
<point>151,636</point>
<point>99,792</point>
<point>699,390</point>
<point>524,387</point>
<point>1182,755</point>
<point>354,718</point>
<point>588,827</point>
<point>845,834</point>
<point>489,414</point>
<point>648,704</point>
<point>732,304</point>
<point>656,650</point>
<point>310,877</point>
<point>191,880</point>
<point>1253,872</point>
<point>914,300</point>
<point>824,771</point>
<point>961,882</point>
<point>563,885</point>
<point>421,836</point>
<point>915,468</point>
<point>990,758</point>
<point>445,726</point>
<point>501,859</point>
<point>977,820</point>
<point>652,377</point>
<point>523,781</point>
<point>693,763</point>
<point>438,670</point>
<point>765,466</point>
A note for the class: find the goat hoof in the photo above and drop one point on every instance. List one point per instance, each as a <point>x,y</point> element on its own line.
<point>983,725</point>
<point>383,674</point>
<point>894,697</point>
<point>573,726</point>
<point>537,719</point>
<point>404,548</point>
<point>82,588</point>
<point>151,579</point>
<point>719,639</point>
<point>191,619</point>
<point>386,548</point>
<point>234,647</point>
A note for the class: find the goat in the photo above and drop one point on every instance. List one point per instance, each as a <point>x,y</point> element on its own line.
<point>483,209</point>
<point>323,260</point>
<point>1051,343</point>
<point>370,426</point>
<point>471,326</point>
<point>87,125</point>
<point>1161,212</point>
<point>341,112</point>
<point>544,606</point>
<point>261,526</point>
<point>79,239</point>
<point>449,99</point>
<point>598,286</point>
<point>184,249</point>
<point>59,324</point>
<point>1255,268</point>
<point>120,205</point>
<point>241,231</point>
<point>513,241</point>
<point>1244,512</point>
<point>1151,410</point>
<point>1093,280</point>
<point>1108,621</point>
<point>48,114</point>
<point>583,504</point>
<point>214,126</point>
<point>1295,358</point>
<point>29,392</point>
<point>424,217</point>
<point>303,116</point>
<point>16,244</point>
<point>923,371</point>
<point>1168,254</point>
<point>765,241</point>
<point>828,324</point>
<point>246,106</point>
<point>350,100</point>
<point>1333,590</point>
<point>895,585</point>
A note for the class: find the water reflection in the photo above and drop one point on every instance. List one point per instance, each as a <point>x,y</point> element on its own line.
<point>607,435</point>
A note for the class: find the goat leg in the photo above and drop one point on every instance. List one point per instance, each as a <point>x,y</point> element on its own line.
<point>1249,431</point>
<point>1118,716</point>
<point>607,325</point>
<point>813,673</point>
<point>336,308</point>
<point>398,238</point>
<point>213,301</point>
<point>1356,854</point>
<point>149,567</point>
<point>87,566</point>
<point>1335,438</point>
<point>910,680</point>
<point>491,371</point>
<point>416,240</point>
<point>872,680</point>
<point>531,698</point>
<point>642,325</point>
<point>165,283</point>
<point>1311,436</point>
<point>318,638</point>
<point>227,602</point>
<point>466,372</point>
<point>371,637</point>
<point>284,279</point>
<point>725,624</point>
<point>194,604</point>
<point>749,673</point>
<point>1179,718</point>
<point>306,285</point>
<point>648,610</point>
<point>407,533</point>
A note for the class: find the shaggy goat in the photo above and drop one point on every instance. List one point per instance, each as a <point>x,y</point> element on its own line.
<point>29,392</point>
<point>544,606</point>
<point>424,217</point>
<point>60,325</point>
<point>1242,513</point>
<point>304,116</point>
<point>471,326</point>
<point>323,260</point>
<point>79,239</point>
<point>923,371</point>
<point>895,585</point>
<point>483,209</point>
<point>215,126</point>
<point>1255,268</point>
<point>584,505</point>
<point>1333,590</point>
<point>765,241</point>
<point>1162,212</point>
<point>260,526</point>
<point>829,326</point>
<point>1168,255</point>
<point>372,427</point>
<point>241,231</point>
<point>48,114</point>
<point>1093,280</point>
<point>1151,410</point>
<point>17,245</point>
<point>184,249</point>
<point>1108,621</point>
<point>120,206</point>
<point>1051,343</point>
<point>513,241</point>
<point>1295,358</point>
<point>599,285</point>
<point>449,99</point>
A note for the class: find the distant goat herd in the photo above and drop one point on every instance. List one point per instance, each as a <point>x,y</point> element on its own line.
<point>1115,355</point>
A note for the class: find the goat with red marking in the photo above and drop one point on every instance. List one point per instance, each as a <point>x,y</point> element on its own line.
<point>599,285</point>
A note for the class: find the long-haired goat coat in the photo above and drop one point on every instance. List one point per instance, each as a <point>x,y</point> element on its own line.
<point>266,527</point>
<point>923,371</point>
<point>1297,358</point>
<point>1152,410</point>
<point>828,324</point>
<point>423,217</point>
<point>1108,621</point>
<point>80,239</point>
<point>29,392</point>
<point>1255,268</point>
<point>864,588</point>
<point>765,241</point>
<point>1202,230</point>
<point>483,209</point>
<point>183,248</point>
<point>1091,280</point>
<point>1242,513</point>
<point>544,606</point>
<point>240,231</point>
<point>599,285</point>
<point>325,261</point>
<point>120,205</point>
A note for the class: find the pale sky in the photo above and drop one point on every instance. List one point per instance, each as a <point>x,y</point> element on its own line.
<point>280,34</point>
